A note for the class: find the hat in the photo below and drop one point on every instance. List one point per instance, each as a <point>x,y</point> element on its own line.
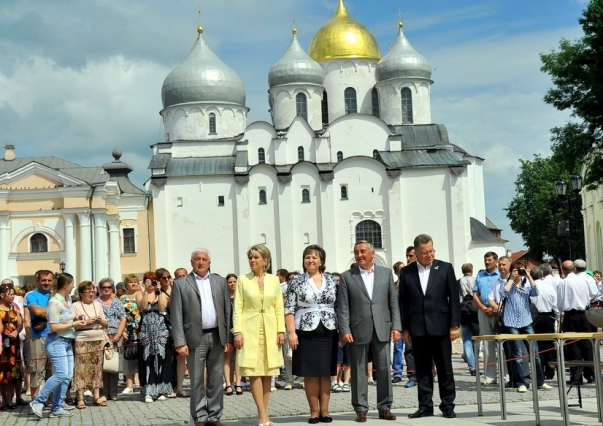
<point>589,272</point>
<point>120,286</point>
<point>580,263</point>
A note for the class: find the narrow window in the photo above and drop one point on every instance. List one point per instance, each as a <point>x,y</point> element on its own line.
<point>301,105</point>
<point>344,192</point>
<point>262,196</point>
<point>220,200</point>
<point>375,100</point>
<point>369,230</point>
<point>305,195</point>
<point>300,154</point>
<point>375,154</point>
<point>406,106</point>
<point>350,101</point>
<point>212,124</point>
<point>325,109</point>
<point>129,243</point>
<point>261,156</point>
<point>38,243</point>
<point>339,156</point>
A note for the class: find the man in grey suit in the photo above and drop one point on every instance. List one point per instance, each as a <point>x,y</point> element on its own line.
<point>368,318</point>
<point>200,314</point>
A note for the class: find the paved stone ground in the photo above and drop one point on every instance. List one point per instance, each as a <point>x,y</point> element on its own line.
<point>129,410</point>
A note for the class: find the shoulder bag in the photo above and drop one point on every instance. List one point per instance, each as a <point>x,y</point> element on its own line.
<point>497,328</point>
<point>130,348</point>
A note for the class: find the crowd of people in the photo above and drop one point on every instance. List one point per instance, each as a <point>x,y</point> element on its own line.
<point>247,330</point>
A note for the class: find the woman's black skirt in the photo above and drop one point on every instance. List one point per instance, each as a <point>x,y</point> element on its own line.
<point>316,353</point>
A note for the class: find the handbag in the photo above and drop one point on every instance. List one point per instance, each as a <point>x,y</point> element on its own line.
<point>39,323</point>
<point>111,365</point>
<point>130,348</point>
<point>109,350</point>
<point>498,319</point>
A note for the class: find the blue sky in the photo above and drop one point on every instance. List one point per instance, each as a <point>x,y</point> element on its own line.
<point>78,79</point>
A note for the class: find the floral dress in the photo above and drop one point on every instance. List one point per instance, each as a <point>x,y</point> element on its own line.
<point>10,359</point>
<point>154,356</point>
<point>132,313</point>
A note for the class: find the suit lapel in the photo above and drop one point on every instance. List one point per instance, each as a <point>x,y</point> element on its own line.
<point>375,283</point>
<point>193,283</point>
<point>359,282</point>
<point>215,291</point>
<point>417,280</point>
<point>433,271</point>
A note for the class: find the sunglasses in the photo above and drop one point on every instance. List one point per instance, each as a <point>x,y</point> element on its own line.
<point>107,287</point>
<point>166,278</point>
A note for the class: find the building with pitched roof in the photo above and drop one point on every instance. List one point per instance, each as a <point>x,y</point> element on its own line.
<point>351,154</point>
<point>53,211</point>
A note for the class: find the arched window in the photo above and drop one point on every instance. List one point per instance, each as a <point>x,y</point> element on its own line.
<point>261,156</point>
<point>212,124</point>
<point>406,106</point>
<point>301,105</point>
<point>325,109</point>
<point>262,196</point>
<point>339,156</point>
<point>300,153</point>
<point>305,195</point>
<point>344,192</point>
<point>375,154</point>
<point>38,243</point>
<point>375,101</point>
<point>350,101</point>
<point>369,230</point>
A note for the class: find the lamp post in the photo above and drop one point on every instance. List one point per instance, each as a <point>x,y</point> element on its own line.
<point>561,187</point>
<point>62,266</point>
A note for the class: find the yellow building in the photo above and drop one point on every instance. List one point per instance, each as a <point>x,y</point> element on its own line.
<point>91,218</point>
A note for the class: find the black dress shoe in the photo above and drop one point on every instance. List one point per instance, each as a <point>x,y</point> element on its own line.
<point>421,412</point>
<point>313,420</point>
<point>396,379</point>
<point>325,419</point>
<point>449,414</point>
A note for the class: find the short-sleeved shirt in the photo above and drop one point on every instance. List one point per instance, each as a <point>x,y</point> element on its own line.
<point>483,284</point>
<point>59,311</point>
<point>113,314</point>
<point>37,298</point>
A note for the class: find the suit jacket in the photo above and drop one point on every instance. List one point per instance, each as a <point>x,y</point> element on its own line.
<point>434,312</point>
<point>359,314</point>
<point>249,309</point>
<point>185,310</point>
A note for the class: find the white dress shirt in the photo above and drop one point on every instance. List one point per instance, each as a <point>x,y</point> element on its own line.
<point>495,289</point>
<point>593,289</point>
<point>546,301</point>
<point>552,280</point>
<point>424,272</point>
<point>209,316</point>
<point>368,277</point>
<point>573,293</point>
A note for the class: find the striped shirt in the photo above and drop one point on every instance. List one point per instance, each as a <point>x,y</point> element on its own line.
<point>516,313</point>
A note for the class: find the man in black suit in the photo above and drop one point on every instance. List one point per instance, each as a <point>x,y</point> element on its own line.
<point>429,305</point>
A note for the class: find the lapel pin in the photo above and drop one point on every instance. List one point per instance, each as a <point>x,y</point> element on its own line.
<point>436,267</point>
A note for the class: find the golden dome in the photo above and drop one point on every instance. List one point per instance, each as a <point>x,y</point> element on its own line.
<point>343,37</point>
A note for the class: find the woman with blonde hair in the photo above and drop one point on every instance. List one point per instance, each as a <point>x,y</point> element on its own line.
<point>89,343</point>
<point>259,328</point>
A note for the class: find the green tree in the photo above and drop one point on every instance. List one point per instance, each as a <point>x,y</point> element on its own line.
<point>576,70</point>
<point>535,211</point>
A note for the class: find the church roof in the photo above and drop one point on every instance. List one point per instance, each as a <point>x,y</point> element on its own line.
<point>199,166</point>
<point>480,232</point>
<point>422,135</point>
<point>402,61</point>
<point>418,158</point>
<point>90,175</point>
<point>295,67</point>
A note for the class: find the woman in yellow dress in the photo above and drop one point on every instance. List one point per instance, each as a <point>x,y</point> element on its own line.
<point>259,328</point>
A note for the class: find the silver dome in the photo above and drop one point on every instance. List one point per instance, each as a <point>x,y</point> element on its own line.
<point>202,77</point>
<point>295,67</point>
<point>403,61</point>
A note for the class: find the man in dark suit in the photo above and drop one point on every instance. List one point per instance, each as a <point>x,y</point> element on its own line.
<point>369,317</point>
<point>200,314</point>
<point>429,304</point>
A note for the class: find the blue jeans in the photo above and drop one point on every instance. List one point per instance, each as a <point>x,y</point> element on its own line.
<point>60,351</point>
<point>467,332</point>
<point>398,360</point>
<point>516,354</point>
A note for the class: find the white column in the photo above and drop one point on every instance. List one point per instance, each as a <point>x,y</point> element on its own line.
<point>85,247</point>
<point>70,245</point>
<point>4,245</point>
<point>101,261</point>
<point>114,251</point>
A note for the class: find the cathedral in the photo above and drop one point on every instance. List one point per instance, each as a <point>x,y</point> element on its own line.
<point>351,154</point>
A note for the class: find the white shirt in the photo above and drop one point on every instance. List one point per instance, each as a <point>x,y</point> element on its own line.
<point>593,289</point>
<point>552,280</point>
<point>209,316</point>
<point>546,301</point>
<point>573,293</point>
<point>495,289</point>
<point>368,277</point>
<point>424,272</point>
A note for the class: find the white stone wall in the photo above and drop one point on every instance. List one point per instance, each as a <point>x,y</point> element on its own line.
<point>390,100</point>
<point>191,121</point>
<point>284,110</point>
<point>592,202</point>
